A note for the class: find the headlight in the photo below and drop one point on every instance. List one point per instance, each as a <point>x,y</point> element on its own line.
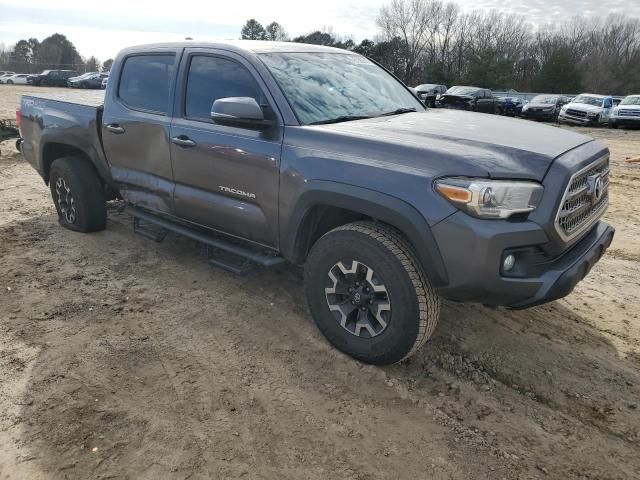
<point>490,198</point>
<point>592,114</point>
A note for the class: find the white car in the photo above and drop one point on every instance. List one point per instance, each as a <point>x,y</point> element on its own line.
<point>587,109</point>
<point>4,76</point>
<point>627,113</point>
<point>105,80</point>
<point>17,79</point>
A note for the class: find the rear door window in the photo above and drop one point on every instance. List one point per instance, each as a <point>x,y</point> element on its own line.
<point>145,82</point>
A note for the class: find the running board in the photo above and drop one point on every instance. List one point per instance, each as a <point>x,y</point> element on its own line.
<point>221,252</point>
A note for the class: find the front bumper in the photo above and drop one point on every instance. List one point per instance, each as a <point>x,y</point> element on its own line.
<point>576,120</point>
<point>473,250</point>
<point>625,121</point>
<point>538,115</point>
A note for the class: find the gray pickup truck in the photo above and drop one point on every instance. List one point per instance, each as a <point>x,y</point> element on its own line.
<point>282,152</point>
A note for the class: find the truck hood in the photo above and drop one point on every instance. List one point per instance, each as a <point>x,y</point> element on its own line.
<point>450,142</point>
<point>583,107</point>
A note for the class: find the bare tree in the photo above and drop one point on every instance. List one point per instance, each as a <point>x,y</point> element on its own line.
<point>414,22</point>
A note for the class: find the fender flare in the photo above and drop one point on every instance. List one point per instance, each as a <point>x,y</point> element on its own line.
<point>95,156</point>
<point>377,205</point>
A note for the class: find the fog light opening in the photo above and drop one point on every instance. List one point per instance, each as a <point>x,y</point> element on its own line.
<point>508,263</point>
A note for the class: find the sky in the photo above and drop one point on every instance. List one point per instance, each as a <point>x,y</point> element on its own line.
<point>102,28</point>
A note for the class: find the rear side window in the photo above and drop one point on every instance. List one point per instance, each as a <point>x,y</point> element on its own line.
<point>145,82</point>
<point>211,78</point>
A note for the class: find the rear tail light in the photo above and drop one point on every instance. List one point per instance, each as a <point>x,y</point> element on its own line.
<point>19,120</point>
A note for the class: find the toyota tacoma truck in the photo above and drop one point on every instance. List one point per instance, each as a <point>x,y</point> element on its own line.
<point>282,152</point>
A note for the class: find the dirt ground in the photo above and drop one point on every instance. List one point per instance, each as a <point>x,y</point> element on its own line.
<point>123,358</point>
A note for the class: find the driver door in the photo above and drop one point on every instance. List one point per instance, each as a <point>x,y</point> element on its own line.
<point>226,177</point>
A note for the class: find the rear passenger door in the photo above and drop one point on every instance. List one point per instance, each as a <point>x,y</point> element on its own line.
<point>227,176</point>
<point>135,128</point>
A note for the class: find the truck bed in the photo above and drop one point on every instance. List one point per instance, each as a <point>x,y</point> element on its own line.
<point>90,98</point>
<point>72,118</point>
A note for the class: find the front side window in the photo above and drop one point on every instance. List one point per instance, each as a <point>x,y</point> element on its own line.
<point>211,78</point>
<point>145,82</point>
<point>325,87</point>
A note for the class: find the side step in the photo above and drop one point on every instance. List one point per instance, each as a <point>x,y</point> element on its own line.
<point>223,253</point>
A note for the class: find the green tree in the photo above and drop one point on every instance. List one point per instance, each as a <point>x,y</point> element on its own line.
<point>106,66</point>
<point>92,64</point>
<point>253,30</point>
<point>275,32</point>
<point>57,51</point>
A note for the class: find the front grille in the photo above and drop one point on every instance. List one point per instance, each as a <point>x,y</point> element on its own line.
<point>579,208</point>
<point>576,113</point>
<point>629,113</point>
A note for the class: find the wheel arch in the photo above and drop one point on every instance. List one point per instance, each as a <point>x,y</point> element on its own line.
<point>325,205</point>
<point>53,148</point>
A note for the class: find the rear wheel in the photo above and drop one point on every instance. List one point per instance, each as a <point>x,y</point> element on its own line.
<point>78,195</point>
<point>368,294</point>
<point>9,82</point>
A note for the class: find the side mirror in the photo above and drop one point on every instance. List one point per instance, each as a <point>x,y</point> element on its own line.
<point>239,111</point>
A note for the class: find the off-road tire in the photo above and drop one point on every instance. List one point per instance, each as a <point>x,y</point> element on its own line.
<point>415,308</point>
<point>87,191</point>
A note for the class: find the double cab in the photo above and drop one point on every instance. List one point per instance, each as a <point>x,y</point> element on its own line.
<point>284,152</point>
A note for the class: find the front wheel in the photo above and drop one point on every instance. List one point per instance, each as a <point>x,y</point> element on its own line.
<point>613,124</point>
<point>78,195</point>
<point>368,294</point>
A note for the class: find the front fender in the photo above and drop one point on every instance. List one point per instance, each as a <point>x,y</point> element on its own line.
<point>379,206</point>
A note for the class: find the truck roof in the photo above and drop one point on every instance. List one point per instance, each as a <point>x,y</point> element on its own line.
<point>255,46</point>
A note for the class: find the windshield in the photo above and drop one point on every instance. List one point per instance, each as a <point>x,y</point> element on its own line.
<point>328,86</point>
<point>545,99</point>
<point>588,100</point>
<point>462,90</point>
<point>426,86</point>
<point>631,101</point>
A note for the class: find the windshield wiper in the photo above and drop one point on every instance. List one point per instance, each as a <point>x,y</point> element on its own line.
<point>398,111</point>
<point>343,118</point>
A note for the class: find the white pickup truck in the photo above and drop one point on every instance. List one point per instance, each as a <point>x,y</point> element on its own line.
<point>587,109</point>
<point>627,113</point>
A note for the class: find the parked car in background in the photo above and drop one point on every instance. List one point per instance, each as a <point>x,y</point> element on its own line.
<point>509,106</point>
<point>73,81</point>
<point>51,78</point>
<point>469,98</point>
<point>544,107</point>
<point>587,109</point>
<point>18,79</point>
<point>627,113</point>
<point>5,76</point>
<point>430,93</point>
<point>4,72</point>
<point>88,80</point>
<point>105,80</point>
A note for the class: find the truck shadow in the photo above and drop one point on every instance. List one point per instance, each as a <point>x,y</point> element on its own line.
<point>141,342</point>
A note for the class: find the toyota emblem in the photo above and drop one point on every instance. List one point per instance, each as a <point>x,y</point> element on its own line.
<point>595,188</point>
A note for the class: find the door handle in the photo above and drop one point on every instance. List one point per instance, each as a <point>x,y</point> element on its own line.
<point>114,128</point>
<point>183,141</point>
